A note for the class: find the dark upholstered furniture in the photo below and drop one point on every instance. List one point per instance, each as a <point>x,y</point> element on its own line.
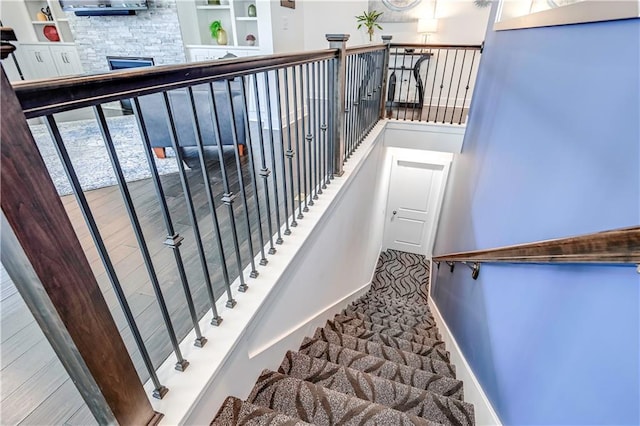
<point>154,112</point>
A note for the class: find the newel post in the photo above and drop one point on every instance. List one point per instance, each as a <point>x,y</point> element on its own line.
<point>386,39</point>
<point>46,262</point>
<point>338,83</point>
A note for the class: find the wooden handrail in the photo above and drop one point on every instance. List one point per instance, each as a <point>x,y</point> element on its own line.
<point>44,97</point>
<point>608,247</point>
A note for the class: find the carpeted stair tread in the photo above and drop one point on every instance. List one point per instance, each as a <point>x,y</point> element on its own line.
<point>353,321</point>
<point>395,301</point>
<point>411,325</point>
<point>370,299</point>
<point>383,369</point>
<point>321,406</point>
<point>332,335</point>
<point>363,333</point>
<point>381,351</point>
<point>435,376</point>
<point>393,310</point>
<point>368,387</point>
<point>236,412</point>
<point>411,320</point>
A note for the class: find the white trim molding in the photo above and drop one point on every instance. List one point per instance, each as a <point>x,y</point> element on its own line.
<point>473,392</point>
<point>576,13</point>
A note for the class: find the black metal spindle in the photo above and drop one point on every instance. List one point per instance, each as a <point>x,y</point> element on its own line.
<point>332,123</point>
<point>304,137</point>
<point>236,149</point>
<point>473,58</point>
<point>453,68</point>
<point>323,124</point>
<point>426,83</point>
<point>274,168</point>
<point>228,197</point>
<point>181,363</point>
<point>252,168</point>
<point>354,107</point>
<point>444,73</point>
<point>289,152</point>
<point>264,171</point>
<point>433,86</point>
<point>216,225</point>
<point>281,128</point>
<point>464,61</point>
<point>159,389</point>
<point>297,131</point>
<point>309,140</point>
<point>347,106</point>
<point>316,130</point>
<point>173,239</point>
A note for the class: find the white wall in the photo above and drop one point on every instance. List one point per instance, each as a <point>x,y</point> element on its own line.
<point>460,22</point>
<point>288,27</point>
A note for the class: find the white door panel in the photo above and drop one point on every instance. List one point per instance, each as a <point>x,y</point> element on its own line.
<point>414,194</point>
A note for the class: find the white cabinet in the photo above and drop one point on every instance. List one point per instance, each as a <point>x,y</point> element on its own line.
<point>40,60</point>
<point>66,59</point>
<point>36,61</point>
<point>204,53</point>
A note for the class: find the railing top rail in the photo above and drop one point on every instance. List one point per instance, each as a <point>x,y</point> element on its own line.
<point>365,49</point>
<point>44,97</point>
<point>437,46</point>
<point>613,246</point>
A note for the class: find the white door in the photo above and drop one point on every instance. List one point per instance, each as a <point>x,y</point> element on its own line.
<point>415,192</point>
<point>66,59</point>
<point>38,61</point>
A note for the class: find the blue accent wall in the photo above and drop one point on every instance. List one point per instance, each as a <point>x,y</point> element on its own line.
<point>552,149</point>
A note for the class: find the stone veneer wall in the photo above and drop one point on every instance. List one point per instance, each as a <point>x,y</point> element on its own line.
<point>150,33</point>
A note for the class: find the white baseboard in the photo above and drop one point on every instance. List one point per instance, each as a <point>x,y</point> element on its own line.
<point>473,393</point>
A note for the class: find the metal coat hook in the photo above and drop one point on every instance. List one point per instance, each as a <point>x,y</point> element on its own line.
<point>452,265</point>
<point>475,269</point>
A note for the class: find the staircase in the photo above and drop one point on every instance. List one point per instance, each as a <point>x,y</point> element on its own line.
<point>378,362</point>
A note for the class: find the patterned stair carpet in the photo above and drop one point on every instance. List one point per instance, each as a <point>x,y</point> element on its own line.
<point>379,362</point>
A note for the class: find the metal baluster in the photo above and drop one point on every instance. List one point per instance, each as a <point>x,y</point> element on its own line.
<point>433,86</point>
<point>416,96</point>
<point>453,68</point>
<point>396,85</point>
<point>274,168</point>
<point>353,137</point>
<point>236,148</point>
<point>289,152</point>
<point>406,101</point>
<point>309,138</point>
<point>173,239</point>
<point>444,71</point>
<point>264,171</point>
<point>216,224</point>
<point>252,168</point>
<point>287,231</point>
<point>181,363</point>
<point>473,58</point>
<point>159,390</point>
<point>426,80</point>
<point>464,60</point>
<point>332,124</point>
<point>304,140</point>
<point>297,129</point>
<point>323,127</point>
<point>228,197</point>
<point>316,122</point>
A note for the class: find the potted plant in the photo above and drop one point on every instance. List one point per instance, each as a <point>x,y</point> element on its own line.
<point>368,19</point>
<point>250,39</point>
<point>218,33</point>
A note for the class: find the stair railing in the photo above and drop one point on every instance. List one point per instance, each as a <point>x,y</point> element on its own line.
<point>431,82</point>
<point>263,195</point>
<point>619,246</point>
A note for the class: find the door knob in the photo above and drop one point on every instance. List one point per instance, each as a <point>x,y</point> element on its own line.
<point>395,212</point>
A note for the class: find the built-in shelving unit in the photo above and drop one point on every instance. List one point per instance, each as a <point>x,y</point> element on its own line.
<point>197,15</point>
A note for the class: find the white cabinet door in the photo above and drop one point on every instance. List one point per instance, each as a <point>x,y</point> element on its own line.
<point>67,60</point>
<point>37,61</point>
